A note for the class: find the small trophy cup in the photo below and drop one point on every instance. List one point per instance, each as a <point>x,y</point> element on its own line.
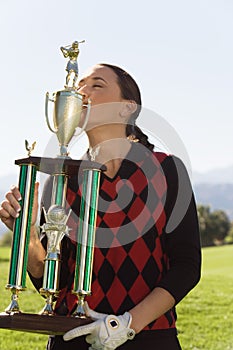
<point>69,114</point>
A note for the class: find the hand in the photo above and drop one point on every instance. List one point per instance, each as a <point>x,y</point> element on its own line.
<point>106,333</point>
<point>10,207</point>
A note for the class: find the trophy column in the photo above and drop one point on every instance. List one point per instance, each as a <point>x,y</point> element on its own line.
<point>21,235</point>
<point>86,238</point>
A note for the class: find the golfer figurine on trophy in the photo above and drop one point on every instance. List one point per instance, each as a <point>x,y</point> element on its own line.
<point>72,51</point>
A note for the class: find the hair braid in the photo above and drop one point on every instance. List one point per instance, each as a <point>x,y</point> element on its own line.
<point>137,133</point>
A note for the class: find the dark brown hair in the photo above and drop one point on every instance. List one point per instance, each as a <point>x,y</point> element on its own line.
<point>130,91</point>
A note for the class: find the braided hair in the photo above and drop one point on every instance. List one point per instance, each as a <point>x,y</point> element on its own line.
<point>130,91</point>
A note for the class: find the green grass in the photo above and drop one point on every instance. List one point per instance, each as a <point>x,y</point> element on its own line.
<point>205,315</point>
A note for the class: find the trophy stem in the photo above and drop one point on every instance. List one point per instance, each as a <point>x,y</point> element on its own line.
<point>21,232</point>
<point>63,151</point>
<point>80,311</point>
<point>59,189</point>
<point>14,306</point>
<point>48,308</point>
<point>86,238</point>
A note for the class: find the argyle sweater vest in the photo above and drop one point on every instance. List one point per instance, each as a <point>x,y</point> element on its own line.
<point>129,256</point>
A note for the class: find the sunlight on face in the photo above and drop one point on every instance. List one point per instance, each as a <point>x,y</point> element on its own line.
<point>100,85</point>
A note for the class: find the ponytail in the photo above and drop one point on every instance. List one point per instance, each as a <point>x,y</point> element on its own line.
<point>137,135</point>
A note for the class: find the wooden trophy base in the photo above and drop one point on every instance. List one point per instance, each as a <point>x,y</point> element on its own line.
<point>43,324</point>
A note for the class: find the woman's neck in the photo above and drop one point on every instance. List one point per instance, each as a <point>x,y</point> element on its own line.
<point>110,152</point>
<point>109,141</point>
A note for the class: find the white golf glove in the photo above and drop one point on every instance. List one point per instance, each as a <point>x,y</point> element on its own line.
<point>106,333</point>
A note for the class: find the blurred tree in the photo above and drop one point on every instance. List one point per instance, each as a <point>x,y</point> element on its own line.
<point>220,225</point>
<point>229,238</point>
<point>214,226</point>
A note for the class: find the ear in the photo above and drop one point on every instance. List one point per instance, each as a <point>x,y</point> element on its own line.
<point>128,108</point>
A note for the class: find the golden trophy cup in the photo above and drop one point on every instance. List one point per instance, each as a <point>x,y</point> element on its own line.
<point>70,115</point>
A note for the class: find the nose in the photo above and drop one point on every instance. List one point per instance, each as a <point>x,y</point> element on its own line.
<point>85,91</point>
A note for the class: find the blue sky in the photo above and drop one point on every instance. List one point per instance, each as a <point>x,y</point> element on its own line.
<point>180,53</point>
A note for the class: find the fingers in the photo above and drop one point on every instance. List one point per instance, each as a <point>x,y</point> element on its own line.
<point>35,205</point>
<point>90,338</point>
<point>15,192</point>
<point>13,197</point>
<point>10,206</point>
<point>89,312</point>
<point>36,191</point>
<point>77,332</point>
<point>93,314</point>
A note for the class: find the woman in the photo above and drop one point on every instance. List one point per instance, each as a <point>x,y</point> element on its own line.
<point>147,254</point>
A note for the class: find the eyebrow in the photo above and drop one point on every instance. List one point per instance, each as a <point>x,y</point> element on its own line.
<point>94,78</point>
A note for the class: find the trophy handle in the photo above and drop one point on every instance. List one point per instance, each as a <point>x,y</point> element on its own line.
<point>88,113</point>
<point>88,105</point>
<point>47,99</point>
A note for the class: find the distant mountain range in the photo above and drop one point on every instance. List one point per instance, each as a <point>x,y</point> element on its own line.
<point>217,196</point>
<point>215,176</point>
<point>213,188</point>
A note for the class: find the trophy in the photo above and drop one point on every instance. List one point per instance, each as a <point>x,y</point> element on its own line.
<point>70,114</point>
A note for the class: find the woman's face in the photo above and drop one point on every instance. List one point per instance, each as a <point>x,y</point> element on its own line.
<point>100,85</point>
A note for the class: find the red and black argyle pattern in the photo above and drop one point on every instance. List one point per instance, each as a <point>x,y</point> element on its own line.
<point>129,258</point>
